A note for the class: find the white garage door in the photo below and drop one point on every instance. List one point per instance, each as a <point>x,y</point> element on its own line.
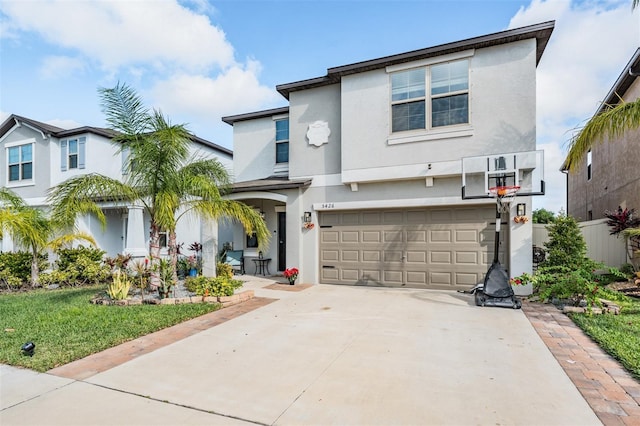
<point>438,248</point>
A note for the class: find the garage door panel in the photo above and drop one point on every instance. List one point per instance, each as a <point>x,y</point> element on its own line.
<point>466,236</point>
<point>466,258</point>
<point>416,257</point>
<point>393,236</point>
<point>441,216</point>
<point>330,255</point>
<point>371,218</point>
<point>440,236</point>
<point>351,275</point>
<point>371,256</point>
<point>329,274</point>
<point>417,236</point>
<point>371,236</point>
<point>441,257</point>
<point>393,256</point>
<point>327,236</point>
<point>393,218</point>
<point>350,256</point>
<point>418,217</point>
<point>417,278</point>
<point>440,248</point>
<point>440,278</point>
<point>350,237</point>
<point>467,279</point>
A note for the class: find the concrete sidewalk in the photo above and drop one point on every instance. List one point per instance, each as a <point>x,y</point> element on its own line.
<point>325,355</point>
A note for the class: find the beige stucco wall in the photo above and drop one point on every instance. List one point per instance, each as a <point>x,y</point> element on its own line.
<point>615,174</point>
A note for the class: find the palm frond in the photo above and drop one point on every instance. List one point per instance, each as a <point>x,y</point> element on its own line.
<point>8,197</point>
<point>80,195</point>
<point>124,109</point>
<point>611,123</point>
<point>67,239</point>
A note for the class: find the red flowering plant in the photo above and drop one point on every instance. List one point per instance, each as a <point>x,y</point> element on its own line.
<point>291,274</point>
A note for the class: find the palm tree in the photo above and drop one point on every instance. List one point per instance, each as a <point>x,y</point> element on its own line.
<point>612,122</point>
<point>29,227</point>
<point>162,177</point>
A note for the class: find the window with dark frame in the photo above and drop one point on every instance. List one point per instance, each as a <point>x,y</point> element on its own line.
<point>20,162</point>
<point>589,168</point>
<point>73,154</point>
<point>252,241</point>
<point>282,141</point>
<point>448,87</point>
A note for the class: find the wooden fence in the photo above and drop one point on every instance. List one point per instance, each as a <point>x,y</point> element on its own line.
<point>601,246</point>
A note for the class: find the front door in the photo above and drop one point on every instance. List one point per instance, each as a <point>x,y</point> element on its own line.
<point>282,241</point>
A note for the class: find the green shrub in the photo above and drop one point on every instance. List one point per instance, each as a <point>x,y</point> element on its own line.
<point>218,286</point>
<point>568,274</point>
<point>8,280</point>
<point>18,264</point>
<point>67,257</point>
<point>81,266</point>
<point>224,270</point>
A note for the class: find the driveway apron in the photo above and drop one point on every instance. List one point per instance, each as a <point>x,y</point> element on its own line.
<point>335,355</point>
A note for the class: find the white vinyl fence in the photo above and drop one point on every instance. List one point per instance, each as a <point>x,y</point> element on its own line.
<point>601,246</point>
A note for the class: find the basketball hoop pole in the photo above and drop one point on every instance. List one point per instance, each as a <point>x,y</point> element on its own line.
<point>504,195</point>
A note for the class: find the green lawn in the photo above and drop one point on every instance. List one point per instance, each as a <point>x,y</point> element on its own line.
<point>619,335</point>
<point>65,326</point>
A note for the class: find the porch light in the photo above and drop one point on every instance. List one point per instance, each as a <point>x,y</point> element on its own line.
<point>307,217</point>
<point>521,209</point>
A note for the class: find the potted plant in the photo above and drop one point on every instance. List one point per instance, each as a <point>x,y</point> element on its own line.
<point>192,263</point>
<point>291,274</point>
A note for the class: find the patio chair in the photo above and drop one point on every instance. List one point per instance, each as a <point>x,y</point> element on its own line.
<point>235,258</point>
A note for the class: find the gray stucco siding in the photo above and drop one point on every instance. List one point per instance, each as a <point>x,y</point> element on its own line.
<point>307,107</point>
<point>254,149</point>
<point>501,104</point>
<point>41,168</point>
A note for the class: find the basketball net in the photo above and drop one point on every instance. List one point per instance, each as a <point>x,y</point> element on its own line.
<point>504,196</point>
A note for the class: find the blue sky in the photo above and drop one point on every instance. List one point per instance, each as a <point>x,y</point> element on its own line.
<point>199,60</point>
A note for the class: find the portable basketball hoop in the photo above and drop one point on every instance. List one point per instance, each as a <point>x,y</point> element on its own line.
<point>504,195</point>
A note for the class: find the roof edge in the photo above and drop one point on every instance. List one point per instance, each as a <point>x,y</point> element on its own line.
<point>231,119</point>
<point>541,32</point>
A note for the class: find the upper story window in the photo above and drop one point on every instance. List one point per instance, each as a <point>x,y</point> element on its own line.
<point>589,168</point>
<point>448,100</point>
<point>20,163</point>
<point>72,153</point>
<point>282,141</point>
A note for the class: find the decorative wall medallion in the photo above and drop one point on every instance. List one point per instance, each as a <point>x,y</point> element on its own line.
<point>318,133</point>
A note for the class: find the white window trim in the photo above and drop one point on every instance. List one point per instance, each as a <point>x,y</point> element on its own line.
<point>21,182</point>
<point>430,133</point>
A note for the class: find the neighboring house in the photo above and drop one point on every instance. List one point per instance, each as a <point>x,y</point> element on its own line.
<point>609,175</point>
<point>359,178</point>
<point>36,156</point>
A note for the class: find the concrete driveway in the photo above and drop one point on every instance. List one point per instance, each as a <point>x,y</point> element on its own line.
<point>325,355</point>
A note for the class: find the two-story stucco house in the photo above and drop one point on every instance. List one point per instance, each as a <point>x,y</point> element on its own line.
<point>609,175</point>
<point>36,156</point>
<point>359,177</point>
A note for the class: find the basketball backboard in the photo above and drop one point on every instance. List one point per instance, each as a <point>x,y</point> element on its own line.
<point>524,169</point>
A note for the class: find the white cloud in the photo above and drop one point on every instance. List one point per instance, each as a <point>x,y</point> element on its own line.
<point>163,34</point>
<point>64,123</point>
<point>56,66</point>
<point>591,43</point>
<point>235,91</point>
<point>3,116</point>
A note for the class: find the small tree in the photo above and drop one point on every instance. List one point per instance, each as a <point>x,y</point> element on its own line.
<point>566,245</point>
<point>543,216</point>
<point>567,273</point>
